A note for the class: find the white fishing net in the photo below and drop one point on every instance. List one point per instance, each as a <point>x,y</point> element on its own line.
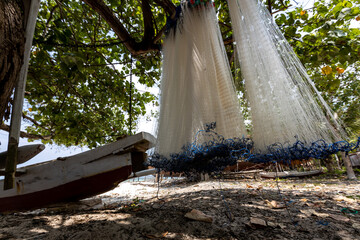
<point>284,101</point>
<point>196,86</point>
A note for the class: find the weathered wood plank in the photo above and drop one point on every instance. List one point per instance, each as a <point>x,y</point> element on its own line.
<point>18,172</point>
<point>143,139</point>
<point>25,153</point>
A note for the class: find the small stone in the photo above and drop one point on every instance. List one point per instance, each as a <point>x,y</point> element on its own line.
<point>198,216</point>
<point>282,226</point>
<point>272,224</point>
<point>257,222</point>
<point>356,226</point>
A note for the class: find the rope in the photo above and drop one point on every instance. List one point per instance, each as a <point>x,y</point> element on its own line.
<point>211,156</point>
<point>299,151</point>
<point>214,155</point>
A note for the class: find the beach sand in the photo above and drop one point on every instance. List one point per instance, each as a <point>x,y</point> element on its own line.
<point>243,209</point>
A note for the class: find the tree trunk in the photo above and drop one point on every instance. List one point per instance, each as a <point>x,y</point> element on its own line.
<point>12,43</point>
<point>349,168</point>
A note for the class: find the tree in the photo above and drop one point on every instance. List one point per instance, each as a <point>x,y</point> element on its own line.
<point>11,50</point>
<point>84,52</point>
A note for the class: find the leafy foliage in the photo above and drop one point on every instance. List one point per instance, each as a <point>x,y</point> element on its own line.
<point>79,76</point>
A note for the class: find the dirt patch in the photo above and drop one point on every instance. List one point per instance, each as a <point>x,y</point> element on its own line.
<point>246,209</point>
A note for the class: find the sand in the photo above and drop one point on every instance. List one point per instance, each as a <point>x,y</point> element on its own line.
<point>244,209</point>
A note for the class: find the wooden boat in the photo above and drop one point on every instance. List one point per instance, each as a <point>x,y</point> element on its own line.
<point>76,177</point>
<point>25,153</point>
<point>289,174</point>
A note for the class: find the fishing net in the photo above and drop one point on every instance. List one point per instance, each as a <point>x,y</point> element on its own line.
<point>196,85</point>
<point>285,105</point>
<point>200,125</point>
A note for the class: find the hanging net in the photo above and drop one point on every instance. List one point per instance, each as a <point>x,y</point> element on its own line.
<point>285,106</point>
<point>196,89</point>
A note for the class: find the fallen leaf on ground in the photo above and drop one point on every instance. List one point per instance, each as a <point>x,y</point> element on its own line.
<point>274,204</point>
<point>198,216</point>
<point>320,214</point>
<point>345,199</point>
<point>309,212</point>
<point>339,218</point>
<point>157,235</point>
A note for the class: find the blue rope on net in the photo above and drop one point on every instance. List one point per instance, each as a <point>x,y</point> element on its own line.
<point>211,156</point>
<point>300,151</point>
<point>217,153</point>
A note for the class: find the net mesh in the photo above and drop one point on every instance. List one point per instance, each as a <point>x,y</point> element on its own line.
<point>200,126</point>
<point>196,85</point>
<point>285,105</point>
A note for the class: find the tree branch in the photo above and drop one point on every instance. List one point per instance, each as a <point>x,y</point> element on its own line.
<point>269,6</point>
<point>149,31</point>
<point>167,5</point>
<point>49,19</point>
<point>282,9</point>
<point>159,35</point>
<point>26,135</point>
<point>228,40</point>
<point>107,14</point>
<point>32,120</point>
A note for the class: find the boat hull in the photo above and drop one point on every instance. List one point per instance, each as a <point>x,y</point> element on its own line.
<point>72,191</point>
<point>290,174</point>
<point>76,177</point>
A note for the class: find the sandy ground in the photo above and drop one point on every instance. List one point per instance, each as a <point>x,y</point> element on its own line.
<point>242,209</point>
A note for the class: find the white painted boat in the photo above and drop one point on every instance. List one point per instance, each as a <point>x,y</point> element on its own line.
<point>76,177</point>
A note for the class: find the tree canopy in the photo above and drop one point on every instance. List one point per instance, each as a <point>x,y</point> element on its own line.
<point>84,53</point>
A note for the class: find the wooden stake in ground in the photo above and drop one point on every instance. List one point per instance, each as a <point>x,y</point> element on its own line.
<point>31,12</point>
<point>348,166</point>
